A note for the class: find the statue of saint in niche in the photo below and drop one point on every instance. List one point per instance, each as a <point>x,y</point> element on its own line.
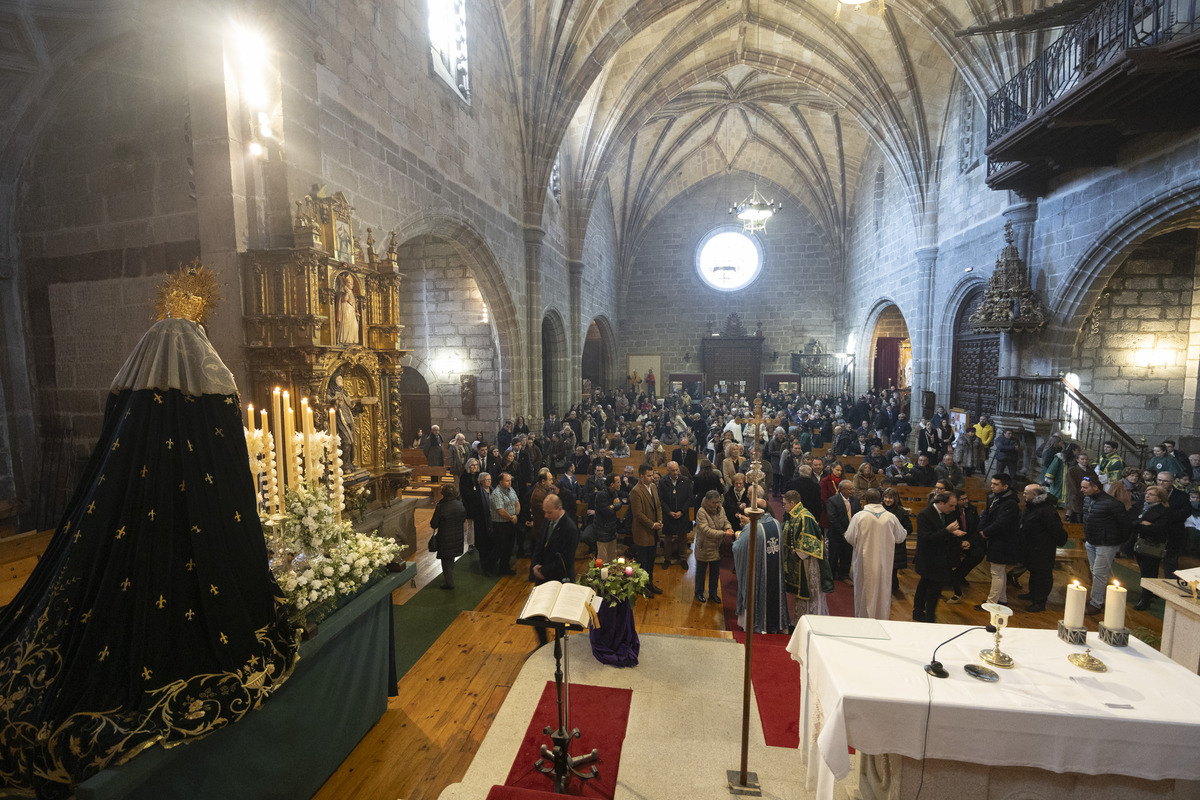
<point>345,408</point>
<point>346,315</point>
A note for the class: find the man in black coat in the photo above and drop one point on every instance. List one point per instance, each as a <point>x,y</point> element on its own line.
<point>1042,533</point>
<point>808,487</point>
<point>434,448</point>
<point>999,526</point>
<point>554,554</point>
<point>675,493</point>
<point>939,542</point>
<point>685,456</point>
<point>840,508</point>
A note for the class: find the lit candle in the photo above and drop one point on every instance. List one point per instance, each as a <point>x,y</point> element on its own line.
<point>250,416</point>
<point>604,573</point>
<point>269,463</point>
<point>1114,606</point>
<point>279,437</point>
<point>1076,595</point>
<point>599,562</point>
<point>629,571</point>
<point>620,561</point>
<point>289,446</point>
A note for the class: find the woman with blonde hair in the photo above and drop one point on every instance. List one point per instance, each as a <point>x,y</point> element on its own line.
<point>866,478</point>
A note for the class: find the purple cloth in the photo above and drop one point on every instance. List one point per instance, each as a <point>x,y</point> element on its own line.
<point>616,641</point>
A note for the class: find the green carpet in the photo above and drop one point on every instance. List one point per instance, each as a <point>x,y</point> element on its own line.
<point>421,620</point>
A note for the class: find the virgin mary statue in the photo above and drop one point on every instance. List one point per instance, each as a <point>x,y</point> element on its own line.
<point>152,618</point>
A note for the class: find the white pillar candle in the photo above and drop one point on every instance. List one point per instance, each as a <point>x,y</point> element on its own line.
<point>279,461</point>
<point>289,446</point>
<point>1076,596</point>
<point>604,573</point>
<point>1114,606</point>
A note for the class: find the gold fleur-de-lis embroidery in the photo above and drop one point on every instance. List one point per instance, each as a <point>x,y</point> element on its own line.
<point>213,588</point>
<point>146,673</point>
<point>87,615</point>
<point>183,486</point>
<point>121,532</point>
<point>161,602</point>
<point>190,565</point>
<point>92,507</point>
<point>125,584</point>
<point>67,527</point>
<point>158,398</point>
<point>170,443</point>
<point>151,515</point>
<point>104,653</point>
<point>144,470</point>
<point>224,638</point>
<point>228,401</point>
<point>190,614</point>
<point>100,481</point>
<point>220,432</point>
<point>208,478</point>
<point>77,535</point>
<point>190,448</point>
<point>117,443</point>
<point>195,529</point>
<point>237,516</point>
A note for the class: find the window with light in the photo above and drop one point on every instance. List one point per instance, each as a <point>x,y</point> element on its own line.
<point>448,43</point>
<point>727,259</point>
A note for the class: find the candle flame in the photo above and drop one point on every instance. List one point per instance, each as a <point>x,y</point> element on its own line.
<point>1075,583</point>
<point>1117,584</point>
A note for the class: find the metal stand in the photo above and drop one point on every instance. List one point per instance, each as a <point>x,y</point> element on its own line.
<point>556,760</point>
<point>1072,635</point>
<point>1117,637</point>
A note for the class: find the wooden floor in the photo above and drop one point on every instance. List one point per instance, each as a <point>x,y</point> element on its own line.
<point>447,701</point>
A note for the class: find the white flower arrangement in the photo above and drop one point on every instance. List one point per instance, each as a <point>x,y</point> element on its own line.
<point>256,447</point>
<point>337,560</point>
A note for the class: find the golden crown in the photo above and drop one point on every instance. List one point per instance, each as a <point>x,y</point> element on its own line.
<point>190,292</point>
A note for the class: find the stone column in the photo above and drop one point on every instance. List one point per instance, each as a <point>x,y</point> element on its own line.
<point>1023,215</point>
<point>575,338</point>
<point>20,447</point>
<point>922,334</point>
<point>1190,423</point>
<point>221,187</point>
<point>533,321</point>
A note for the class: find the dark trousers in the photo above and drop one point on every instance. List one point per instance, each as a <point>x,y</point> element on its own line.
<point>1041,581</point>
<point>644,555</point>
<point>503,534</point>
<point>1170,561</point>
<point>841,553</point>
<point>713,568</point>
<point>483,542</point>
<point>1149,566</point>
<point>447,571</point>
<point>925,600</point>
<point>673,544</point>
<point>970,560</point>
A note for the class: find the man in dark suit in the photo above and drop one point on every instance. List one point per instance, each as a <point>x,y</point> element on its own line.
<point>808,487</point>
<point>840,508</point>
<point>675,491</point>
<point>434,448</point>
<point>603,459</point>
<point>685,457</point>
<point>570,484</point>
<point>554,552</point>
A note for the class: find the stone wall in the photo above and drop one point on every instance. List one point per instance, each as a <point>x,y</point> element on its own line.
<point>667,308</point>
<point>443,314</point>
<point>1133,366</point>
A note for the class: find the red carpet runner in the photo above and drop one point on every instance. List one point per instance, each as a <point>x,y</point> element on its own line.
<point>601,714</point>
<point>775,676</point>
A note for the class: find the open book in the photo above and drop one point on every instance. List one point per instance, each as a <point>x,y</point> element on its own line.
<point>559,602</point>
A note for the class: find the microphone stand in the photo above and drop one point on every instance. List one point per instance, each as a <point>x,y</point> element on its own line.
<point>935,668</point>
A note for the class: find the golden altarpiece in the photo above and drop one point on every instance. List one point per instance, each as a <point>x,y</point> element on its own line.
<point>322,321</point>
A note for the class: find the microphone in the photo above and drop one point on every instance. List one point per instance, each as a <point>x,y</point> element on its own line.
<point>935,668</point>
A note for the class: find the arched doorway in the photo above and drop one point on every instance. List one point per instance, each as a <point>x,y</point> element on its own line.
<point>554,365</point>
<point>597,358</point>
<point>976,363</point>
<point>414,404</point>
<point>891,351</point>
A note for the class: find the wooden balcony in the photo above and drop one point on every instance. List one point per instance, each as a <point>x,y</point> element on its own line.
<point>1130,67</point>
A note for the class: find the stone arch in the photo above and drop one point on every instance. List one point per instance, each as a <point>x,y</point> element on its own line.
<point>490,278</point>
<point>598,348</point>
<point>942,328</point>
<point>974,358</point>
<point>414,398</point>
<point>1171,209</point>
<point>555,349</point>
<point>885,319</point>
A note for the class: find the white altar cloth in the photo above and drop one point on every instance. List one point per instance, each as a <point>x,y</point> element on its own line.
<point>1141,718</point>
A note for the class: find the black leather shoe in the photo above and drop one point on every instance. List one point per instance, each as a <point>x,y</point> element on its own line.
<point>1034,608</point>
<point>1145,603</point>
<point>1026,596</point>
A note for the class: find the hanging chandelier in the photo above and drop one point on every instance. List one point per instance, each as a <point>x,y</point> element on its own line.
<point>755,210</point>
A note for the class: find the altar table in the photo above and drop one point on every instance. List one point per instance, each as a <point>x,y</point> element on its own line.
<point>1047,724</point>
<point>1181,622</point>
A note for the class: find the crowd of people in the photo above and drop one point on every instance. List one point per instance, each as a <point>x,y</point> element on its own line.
<point>694,482</point>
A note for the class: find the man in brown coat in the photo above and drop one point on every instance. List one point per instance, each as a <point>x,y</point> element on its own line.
<point>647,522</point>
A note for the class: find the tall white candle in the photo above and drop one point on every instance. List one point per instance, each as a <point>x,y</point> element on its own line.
<point>289,446</point>
<point>250,416</point>
<point>279,460</point>
<point>1076,596</point>
<point>308,470</point>
<point>1114,606</point>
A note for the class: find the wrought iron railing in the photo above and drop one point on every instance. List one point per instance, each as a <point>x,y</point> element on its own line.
<point>1076,417</point>
<point>824,374</point>
<point>1108,30</point>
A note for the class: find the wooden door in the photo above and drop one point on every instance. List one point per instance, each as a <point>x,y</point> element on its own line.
<point>973,384</point>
